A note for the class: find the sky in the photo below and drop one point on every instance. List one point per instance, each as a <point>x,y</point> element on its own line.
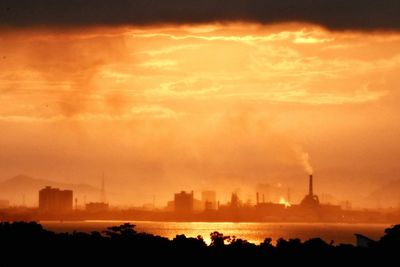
<point>164,96</point>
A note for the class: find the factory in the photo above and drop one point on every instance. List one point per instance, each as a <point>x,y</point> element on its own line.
<point>54,200</point>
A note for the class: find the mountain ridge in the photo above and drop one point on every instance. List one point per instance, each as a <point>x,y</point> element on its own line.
<point>23,189</point>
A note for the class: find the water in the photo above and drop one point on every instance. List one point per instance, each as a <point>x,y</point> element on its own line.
<point>253,232</point>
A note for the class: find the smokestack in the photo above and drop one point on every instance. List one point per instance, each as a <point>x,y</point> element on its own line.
<point>257,198</point>
<point>310,188</point>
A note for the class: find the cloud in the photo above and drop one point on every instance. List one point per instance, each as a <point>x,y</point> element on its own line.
<point>227,117</point>
<point>364,15</point>
<point>153,110</point>
<point>102,74</point>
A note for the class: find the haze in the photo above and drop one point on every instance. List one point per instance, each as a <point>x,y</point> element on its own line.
<point>222,106</point>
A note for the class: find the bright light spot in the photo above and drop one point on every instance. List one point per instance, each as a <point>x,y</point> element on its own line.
<point>283,201</point>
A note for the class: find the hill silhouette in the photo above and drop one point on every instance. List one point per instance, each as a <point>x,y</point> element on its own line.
<point>28,187</point>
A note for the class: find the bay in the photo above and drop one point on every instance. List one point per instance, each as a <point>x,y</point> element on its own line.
<point>252,232</point>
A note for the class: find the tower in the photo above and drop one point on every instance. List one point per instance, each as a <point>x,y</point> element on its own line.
<point>310,200</point>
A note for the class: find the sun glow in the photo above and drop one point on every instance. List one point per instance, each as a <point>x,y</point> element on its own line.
<point>283,201</point>
<point>88,73</point>
<point>175,95</point>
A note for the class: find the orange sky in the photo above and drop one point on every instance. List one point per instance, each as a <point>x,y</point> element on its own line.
<point>225,107</point>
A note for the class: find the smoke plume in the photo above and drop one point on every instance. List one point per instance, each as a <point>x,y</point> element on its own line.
<point>304,159</point>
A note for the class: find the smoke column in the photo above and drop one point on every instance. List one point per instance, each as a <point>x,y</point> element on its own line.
<point>304,159</point>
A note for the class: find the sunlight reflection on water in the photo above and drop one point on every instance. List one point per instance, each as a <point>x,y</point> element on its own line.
<point>253,232</point>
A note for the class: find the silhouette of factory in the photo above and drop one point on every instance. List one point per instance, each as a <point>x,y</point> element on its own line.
<point>55,200</point>
<point>310,200</point>
<point>185,206</point>
<point>185,202</point>
<point>56,204</point>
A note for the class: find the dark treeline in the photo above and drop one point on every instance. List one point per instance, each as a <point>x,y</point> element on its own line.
<point>28,244</point>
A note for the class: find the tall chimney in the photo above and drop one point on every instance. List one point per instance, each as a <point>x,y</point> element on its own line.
<point>257,198</point>
<point>310,187</point>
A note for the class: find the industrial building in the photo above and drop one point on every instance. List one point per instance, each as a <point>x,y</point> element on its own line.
<point>209,200</point>
<point>55,200</point>
<point>183,202</point>
<point>310,200</point>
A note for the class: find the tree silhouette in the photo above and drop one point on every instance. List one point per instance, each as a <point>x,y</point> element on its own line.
<point>218,239</point>
<point>124,230</point>
<point>28,244</point>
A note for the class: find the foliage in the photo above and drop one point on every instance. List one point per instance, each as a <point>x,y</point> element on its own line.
<point>28,244</point>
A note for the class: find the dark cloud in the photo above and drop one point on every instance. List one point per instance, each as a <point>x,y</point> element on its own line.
<point>364,15</point>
